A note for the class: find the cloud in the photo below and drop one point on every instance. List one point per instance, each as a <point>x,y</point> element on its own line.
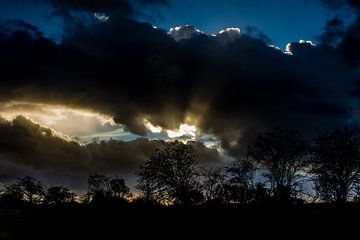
<point>10,27</point>
<point>293,47</point>
<point>101,17</point>
<point>184,32</point>
<point>72,11</point>
<point>256,33</point>
<point>232,85</point>
<point>228,35</point>
<point>340,33</point>
<point>27,148</point>
<point>335,4</point>
<point>166,2</point>
<point>80,124</point>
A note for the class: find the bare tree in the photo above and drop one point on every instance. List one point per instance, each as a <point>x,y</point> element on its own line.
<point>148,191</point>
<point>281,154</point>
<point>173,174</point>
<point>214,185</point>
<point>241,180</point>
<point>336,163</point>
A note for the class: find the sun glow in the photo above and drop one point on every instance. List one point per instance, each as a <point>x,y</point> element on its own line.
<point>48,114</point>
<point>184,130</point>
<point>67,120</point>
<point>85,125</point>
<point>151,127</point>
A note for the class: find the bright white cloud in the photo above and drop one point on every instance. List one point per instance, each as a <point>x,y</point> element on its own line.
<point>184,130</point>
<point>188,31</point>
<point>307,42</point>
<point>228,35</point>
<point>184,32</point>
<point>101,17</point>
<point>274,47</point>
<point>70,121</point>
<point>151,127</point>
<point>288,49</point>
<point>232,30</point>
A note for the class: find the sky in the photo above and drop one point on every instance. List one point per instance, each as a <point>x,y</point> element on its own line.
<point>282,21</point>
<point>96,85</point>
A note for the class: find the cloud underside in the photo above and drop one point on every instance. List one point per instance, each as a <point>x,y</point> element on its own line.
<point>27,148</point>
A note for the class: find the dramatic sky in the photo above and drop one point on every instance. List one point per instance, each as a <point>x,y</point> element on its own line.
<point>98,85</point>
<point>283,20</point>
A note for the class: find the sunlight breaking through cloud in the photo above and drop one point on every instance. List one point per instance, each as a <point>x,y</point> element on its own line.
<point>184,130</point>
<point>69,121</point>
<point>151,127</point>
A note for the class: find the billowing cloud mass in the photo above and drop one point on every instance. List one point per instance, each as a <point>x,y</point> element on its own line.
<point>131,71</point>
<point>28,148</point>
<point>184,32</point>
<point>228,35</point>
<point>345,37</point>
<point>232,85</point>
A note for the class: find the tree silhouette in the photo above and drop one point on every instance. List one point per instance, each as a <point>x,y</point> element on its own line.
<point>101,186</point>
<point>336,163</point>
<point>260,194</point>
<point>281,154</point>
<point>118,188</point>
<point>241,178</point>
<point>59,195</point>
<point>215,185</point>
<point>173,174</point>
<point>26,188</point>
<point>149,193</point>
<point>14,192</point>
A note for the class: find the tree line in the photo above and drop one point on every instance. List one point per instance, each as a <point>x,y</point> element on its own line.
<point>280,167</point>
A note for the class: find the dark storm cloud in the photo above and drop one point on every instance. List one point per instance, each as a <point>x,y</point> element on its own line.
<point>184,32</point>
<point>234,84</point>
<point>154,1</point>
<point>26,148</point>
<point>254,32</point>
<point>346,37</point>
<point>340,3</point>
<point>92,5</point>
<point>68,9</point>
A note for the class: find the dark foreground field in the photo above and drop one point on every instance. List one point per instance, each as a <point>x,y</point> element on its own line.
<point>172,223</point>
